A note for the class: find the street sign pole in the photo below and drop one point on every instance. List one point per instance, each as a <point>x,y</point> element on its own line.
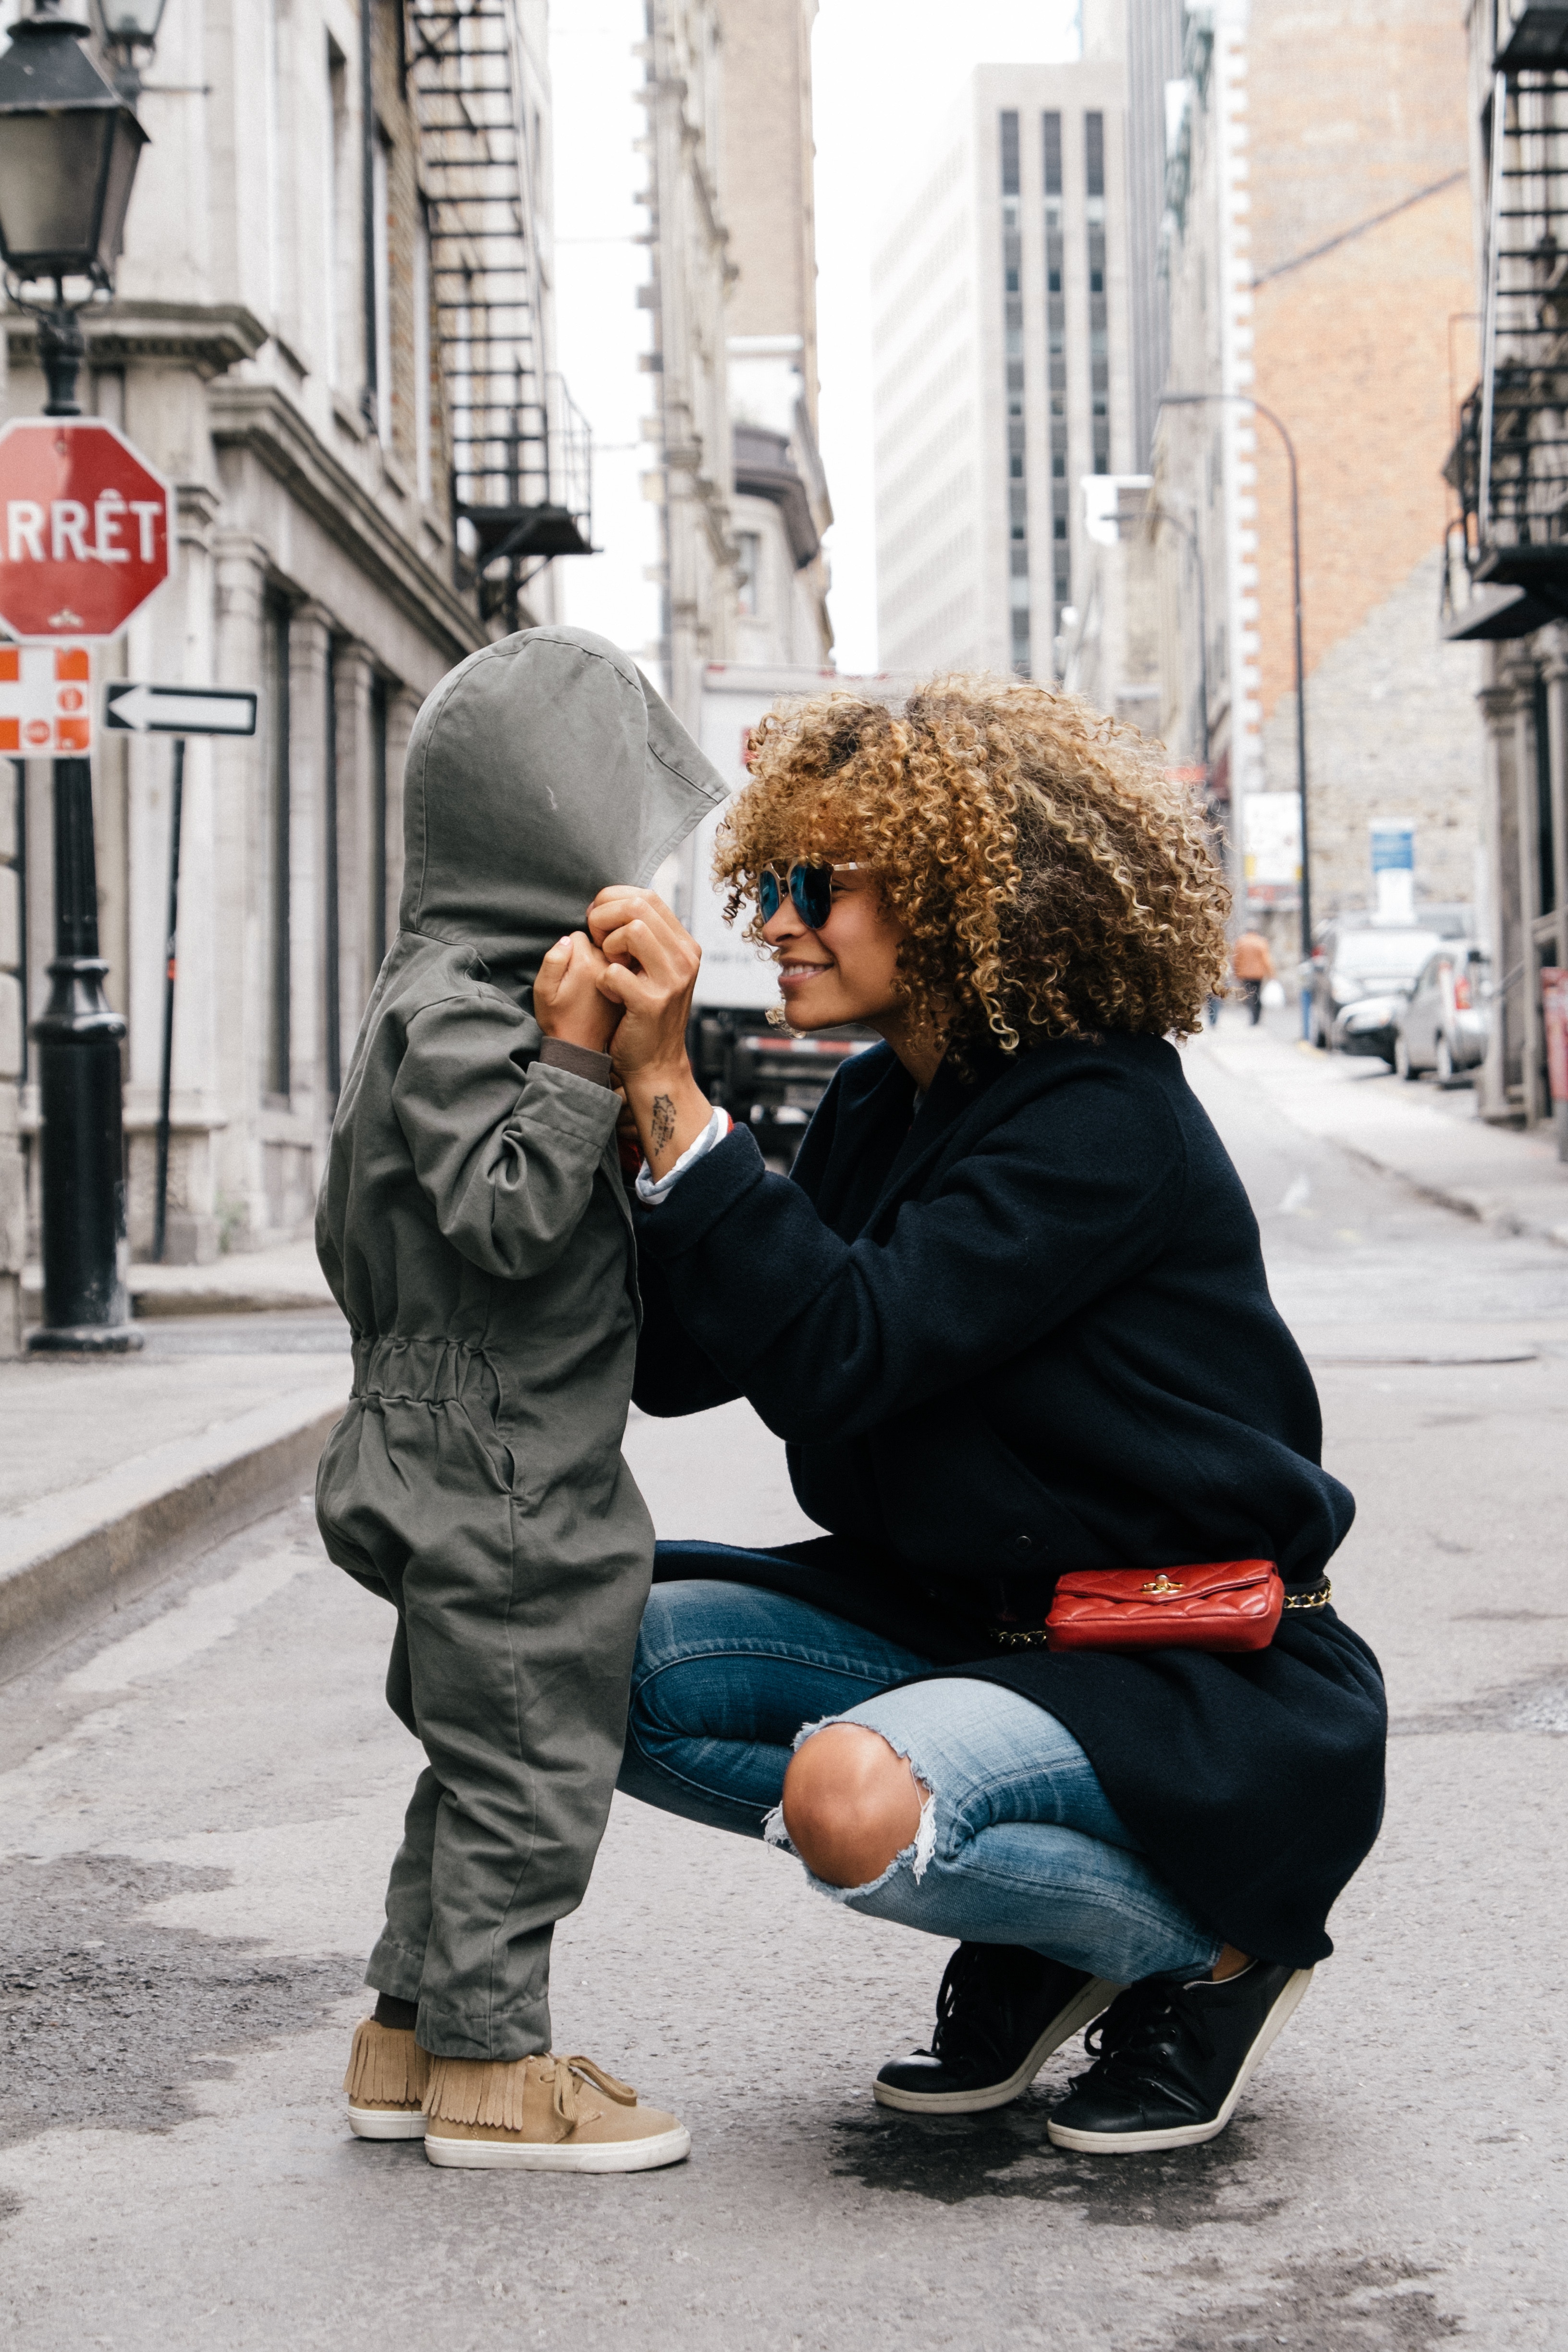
<point>161,1207</point>
<point>81,1150</point>
<point>88,534</point>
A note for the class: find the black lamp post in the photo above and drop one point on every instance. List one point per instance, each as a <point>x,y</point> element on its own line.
<point>68,149</point>
<point>1245,400</point>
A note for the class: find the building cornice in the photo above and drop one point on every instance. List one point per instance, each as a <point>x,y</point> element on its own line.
<point>208,336</point>
<point>258,417</point>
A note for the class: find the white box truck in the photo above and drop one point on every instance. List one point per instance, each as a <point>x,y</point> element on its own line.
<point>764,1076</point>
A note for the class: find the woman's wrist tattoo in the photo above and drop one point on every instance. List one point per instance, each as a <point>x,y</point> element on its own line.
<point>662,1122</point>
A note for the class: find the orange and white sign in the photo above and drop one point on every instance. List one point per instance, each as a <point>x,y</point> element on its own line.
<point>46,702</point>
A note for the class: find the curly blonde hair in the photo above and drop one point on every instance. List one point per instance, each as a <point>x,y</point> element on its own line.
<point>1051,879</point>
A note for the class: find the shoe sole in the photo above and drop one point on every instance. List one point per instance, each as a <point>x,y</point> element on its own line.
<point>1082,2010</point>
<point>1192,2135</point>
<point>540,2156</point>
<point>387,2123</point>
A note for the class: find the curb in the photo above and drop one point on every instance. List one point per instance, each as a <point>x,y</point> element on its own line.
<point>147,1303</point>
<point>1477,1206</point>
<point>1508,1200</point>
<point>71,1556</point>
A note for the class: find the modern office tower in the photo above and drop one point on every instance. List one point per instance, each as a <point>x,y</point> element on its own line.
<point>1002,374</point>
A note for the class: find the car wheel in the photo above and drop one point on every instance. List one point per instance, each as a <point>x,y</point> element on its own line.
<point>1446,1073</point>
<point>1402,1063</point>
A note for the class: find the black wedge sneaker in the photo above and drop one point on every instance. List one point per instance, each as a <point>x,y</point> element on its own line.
<point>1001,2011</point>
<point>1170,2060</point>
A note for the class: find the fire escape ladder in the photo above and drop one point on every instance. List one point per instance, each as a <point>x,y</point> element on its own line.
<point>1508,569</point>
<point>517,447</point>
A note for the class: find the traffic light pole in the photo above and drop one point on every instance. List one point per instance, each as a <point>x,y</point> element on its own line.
<point>81,1170</point>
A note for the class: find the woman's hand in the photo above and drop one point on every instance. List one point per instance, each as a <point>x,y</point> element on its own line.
<point>568,1003</point>
<point>650,971</point>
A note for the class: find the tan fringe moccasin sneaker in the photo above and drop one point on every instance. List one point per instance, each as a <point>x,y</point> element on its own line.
<point>543,2114</point>
<point>387,2077</point>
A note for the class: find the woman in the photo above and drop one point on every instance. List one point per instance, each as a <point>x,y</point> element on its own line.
<point>1010,1314</point>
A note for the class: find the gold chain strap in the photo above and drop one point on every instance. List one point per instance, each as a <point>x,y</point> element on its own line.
<point>1037,1638</point>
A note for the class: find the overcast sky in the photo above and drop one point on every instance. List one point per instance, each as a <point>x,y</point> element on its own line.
<point>885,79</point>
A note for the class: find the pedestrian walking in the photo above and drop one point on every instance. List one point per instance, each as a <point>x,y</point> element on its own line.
<point>1252,964</point>
<point>475,1230</point>
<point>1010,1314</point>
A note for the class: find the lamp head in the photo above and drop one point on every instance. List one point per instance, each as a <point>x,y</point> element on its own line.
<point>68,149</point>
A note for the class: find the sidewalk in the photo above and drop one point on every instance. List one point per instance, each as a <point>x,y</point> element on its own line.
<point>117,1469</point>
<point>1430,1137</point>
<point>251,1282</point>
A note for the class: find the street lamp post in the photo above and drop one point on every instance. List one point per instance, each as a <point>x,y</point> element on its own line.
<point>68,149</point>
<point>1246,400</point>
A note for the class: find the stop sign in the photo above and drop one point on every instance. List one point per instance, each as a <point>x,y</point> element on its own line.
<point>87,528</point>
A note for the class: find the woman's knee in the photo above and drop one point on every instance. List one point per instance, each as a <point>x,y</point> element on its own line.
<point>851,1805</point>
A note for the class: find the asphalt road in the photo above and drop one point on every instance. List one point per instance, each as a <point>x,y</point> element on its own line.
<point>200,1799</point>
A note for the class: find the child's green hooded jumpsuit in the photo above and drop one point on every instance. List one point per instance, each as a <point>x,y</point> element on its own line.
<point>474,1227</point>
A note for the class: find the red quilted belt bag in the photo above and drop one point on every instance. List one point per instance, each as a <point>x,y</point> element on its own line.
<point>1228,1604</point>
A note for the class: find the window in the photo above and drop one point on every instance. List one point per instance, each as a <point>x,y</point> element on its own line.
<point>1013,321</point>
<point>339,213</point>
<point>278,849</point>
<point>378,699</point>
<point>1009,154</point>
<point>1051,124</point>
<point>1099,347</point>
<point>381,280</point>
<point>424,391</point>
<point>332,1006</point>
<point>748,570</point>
<point>1056,350</point>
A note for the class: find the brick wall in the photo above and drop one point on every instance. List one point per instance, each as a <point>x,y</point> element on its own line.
<point>1363,351</point>
<point>1393,729</point>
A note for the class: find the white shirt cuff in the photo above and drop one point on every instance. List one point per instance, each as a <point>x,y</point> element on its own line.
<point>649,1193</point>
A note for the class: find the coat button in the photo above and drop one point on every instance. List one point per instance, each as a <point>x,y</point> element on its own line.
<point>1021,1544</point>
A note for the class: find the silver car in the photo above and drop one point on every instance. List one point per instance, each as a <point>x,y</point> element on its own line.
<point>1359,977</point>
<point>1444,1023</point>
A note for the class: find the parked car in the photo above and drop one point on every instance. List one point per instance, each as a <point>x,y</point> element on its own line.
<point>1444,1023</point>
<point>1359,977</point>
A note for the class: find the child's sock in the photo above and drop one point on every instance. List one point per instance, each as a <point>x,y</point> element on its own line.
<point>400,2015</point>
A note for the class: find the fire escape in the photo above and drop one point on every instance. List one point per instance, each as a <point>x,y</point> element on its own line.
<point>1506,573</point>
<point>517,447</point>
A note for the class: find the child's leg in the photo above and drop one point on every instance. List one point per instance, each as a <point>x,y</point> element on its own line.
<point>521,1673</point>
<point>518,1619</point>
<point>397,1964</point>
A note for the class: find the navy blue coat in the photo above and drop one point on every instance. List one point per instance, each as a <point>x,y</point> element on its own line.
<point>1025,1328</point>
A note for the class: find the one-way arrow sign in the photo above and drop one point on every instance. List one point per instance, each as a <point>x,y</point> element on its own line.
<point>180,709</point>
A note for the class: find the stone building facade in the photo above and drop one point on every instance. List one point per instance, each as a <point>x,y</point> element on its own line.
<point>690,475</point>
<point>1320,261</point>
<point>282,345</point>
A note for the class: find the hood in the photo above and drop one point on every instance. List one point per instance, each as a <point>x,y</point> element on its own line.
<point>540,769</point>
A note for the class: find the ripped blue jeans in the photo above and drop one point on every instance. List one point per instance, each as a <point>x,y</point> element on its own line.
<point>1017,1843</point>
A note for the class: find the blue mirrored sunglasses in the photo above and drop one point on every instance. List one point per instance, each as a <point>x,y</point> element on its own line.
<point>809,887</point>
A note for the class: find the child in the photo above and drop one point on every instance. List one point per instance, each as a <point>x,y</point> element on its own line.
<point>474,1227</point>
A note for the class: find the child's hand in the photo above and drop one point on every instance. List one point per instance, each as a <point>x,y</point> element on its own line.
<point>566,999</point>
